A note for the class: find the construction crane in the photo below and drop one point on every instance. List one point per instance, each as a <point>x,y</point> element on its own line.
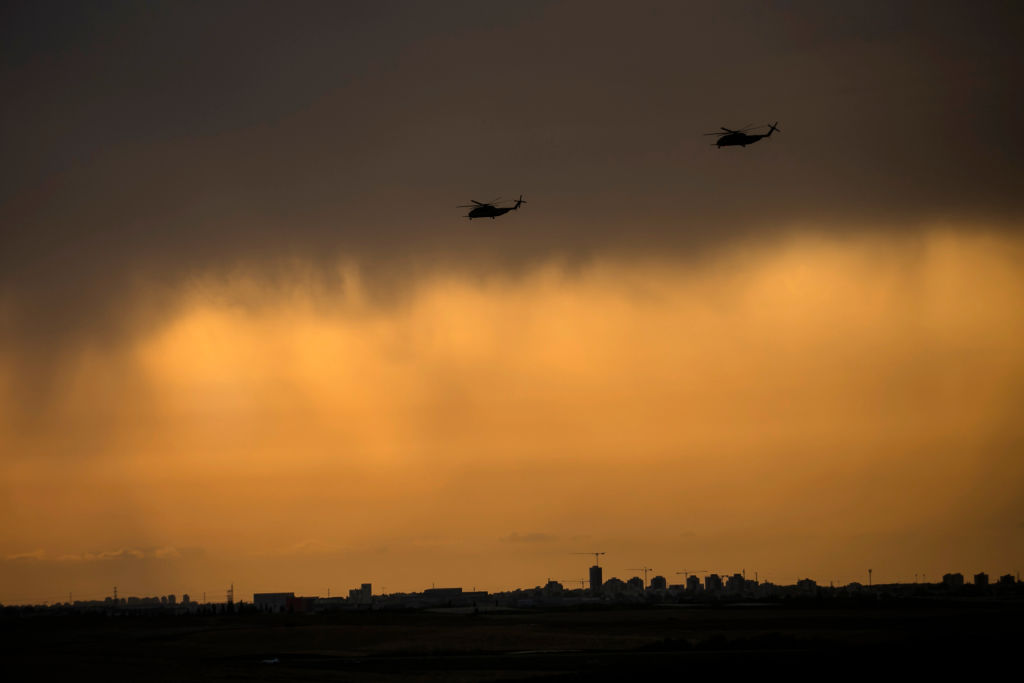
<point>686,572</point>
<point>643,569</point>
<point>596,558</point>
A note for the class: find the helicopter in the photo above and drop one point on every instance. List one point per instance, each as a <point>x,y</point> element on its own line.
<point>488,209</point>
<point>742,137</point>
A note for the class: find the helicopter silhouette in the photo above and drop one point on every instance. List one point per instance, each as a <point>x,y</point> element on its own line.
<point>742,137</point>
<point>488,209</point>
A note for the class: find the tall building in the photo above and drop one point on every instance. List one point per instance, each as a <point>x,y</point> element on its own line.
<point>596,579</point>
<point>953,580</point>
<point>659,583</point>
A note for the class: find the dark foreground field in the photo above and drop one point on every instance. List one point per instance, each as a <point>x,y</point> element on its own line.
<point>972,639</point>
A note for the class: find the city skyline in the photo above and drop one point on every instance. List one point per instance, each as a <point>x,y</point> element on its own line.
<point>710,584</point>
<point>676,578</point>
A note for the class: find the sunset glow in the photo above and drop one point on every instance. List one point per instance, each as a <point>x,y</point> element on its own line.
<point>809,406</point>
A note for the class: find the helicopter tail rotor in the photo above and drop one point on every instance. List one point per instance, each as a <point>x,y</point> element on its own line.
<point>518,202</point>
<point>774,127</point>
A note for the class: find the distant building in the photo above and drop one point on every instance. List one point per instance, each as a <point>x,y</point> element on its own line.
<point>454,597</point>
<point>981,579</point>
<point>613,586</point>
<point>953,580</point>
<point>1006,580</point>
<point>596,579</point>
<point>332,604</point>
<point>272,602</point>
<point>636,585</point>
<point>659,583</point>
<point>734,584</point>
<point>713,583</point>
<point>301,605</point>
<point>693,583</point>
<point>362,595</point>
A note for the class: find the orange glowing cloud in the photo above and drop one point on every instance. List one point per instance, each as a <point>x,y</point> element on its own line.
<point>792,407</point>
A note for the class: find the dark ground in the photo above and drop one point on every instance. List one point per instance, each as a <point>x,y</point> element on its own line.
<point>970,639</point>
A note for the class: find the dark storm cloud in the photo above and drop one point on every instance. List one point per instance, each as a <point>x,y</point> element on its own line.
<point>147,142</point>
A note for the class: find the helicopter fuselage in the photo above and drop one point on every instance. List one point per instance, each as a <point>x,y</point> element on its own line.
<point>488,212</point>
<point>741,139</point>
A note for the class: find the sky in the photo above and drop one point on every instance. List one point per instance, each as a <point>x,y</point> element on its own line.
<point>247,336</point>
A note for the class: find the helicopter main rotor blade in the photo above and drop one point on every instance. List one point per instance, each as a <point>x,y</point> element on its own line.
<point>744,129</point>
